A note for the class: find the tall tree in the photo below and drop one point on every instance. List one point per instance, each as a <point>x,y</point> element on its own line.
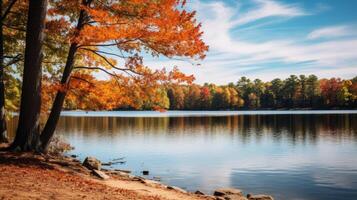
<point>277,90</point>
<point>330,89</point>
<point>4,11</point>
<point>205,98</point>
<point>258,90</point>
<point>193,97</point>
<point>156,27</point>
<point>28,130</point>
<point>302,90</point>
<point>52,120</point>
<point>291,86</point>
<point>312,90</point>
<point>245,89</point>
<point>267,99</point>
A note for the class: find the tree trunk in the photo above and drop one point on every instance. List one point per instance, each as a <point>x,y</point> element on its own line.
<point>3,134</point>
<point>53,118</point>
<point>28,130</point>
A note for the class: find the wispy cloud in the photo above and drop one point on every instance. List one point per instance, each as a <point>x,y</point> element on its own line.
<point>269,8</point>
<point>232,55</point>
<point>332,32</point>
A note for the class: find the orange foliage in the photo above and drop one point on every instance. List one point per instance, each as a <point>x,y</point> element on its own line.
<point>115,33</point>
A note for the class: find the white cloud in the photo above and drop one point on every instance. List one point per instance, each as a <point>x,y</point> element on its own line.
<point>332,32</point>
<point>269,8</point>
<point>232,56</point>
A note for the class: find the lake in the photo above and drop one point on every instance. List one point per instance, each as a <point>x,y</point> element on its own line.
<point>294,155</point>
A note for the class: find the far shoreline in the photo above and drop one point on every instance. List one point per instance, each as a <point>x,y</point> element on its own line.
<point>198,113</point>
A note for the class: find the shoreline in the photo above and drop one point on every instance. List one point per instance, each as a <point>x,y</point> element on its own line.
<point>64,177</point>
<point>198,113</point>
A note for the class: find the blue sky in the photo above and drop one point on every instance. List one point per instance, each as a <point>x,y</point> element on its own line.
<point>273,38</point>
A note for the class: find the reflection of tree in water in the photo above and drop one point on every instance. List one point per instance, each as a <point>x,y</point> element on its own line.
<point>295,128</point>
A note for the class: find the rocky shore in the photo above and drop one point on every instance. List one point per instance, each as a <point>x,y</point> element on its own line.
<point>94,164</point>
<point>29,176</point>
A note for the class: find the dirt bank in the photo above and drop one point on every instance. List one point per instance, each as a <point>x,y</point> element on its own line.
<point>28,176</point>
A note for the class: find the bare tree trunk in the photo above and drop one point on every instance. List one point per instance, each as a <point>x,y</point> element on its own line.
<point>3,134</point>
<point>56,109</point>
<point>27,134</point>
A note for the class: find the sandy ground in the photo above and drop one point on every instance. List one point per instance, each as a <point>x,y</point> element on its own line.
<point>28,176</point>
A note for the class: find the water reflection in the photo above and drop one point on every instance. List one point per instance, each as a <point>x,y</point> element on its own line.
<point>290,156</point>
<point>296,128</point>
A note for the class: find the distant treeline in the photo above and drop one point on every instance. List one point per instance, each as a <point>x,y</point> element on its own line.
<point>294,92</point>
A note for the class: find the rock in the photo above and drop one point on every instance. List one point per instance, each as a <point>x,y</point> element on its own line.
<point>199,192</point>
<point>118,173</point>
<point>227,191</point>
<point>122,170</point>
<point>209,197</point>
<point>137,178</point>
<point>234,197</point>
<point>229,194</point>
<point>176,188</point>
<point>113,163</point>
<point>92,163</point>
<point>100,174</point>
<point>260,197</point>
<point>107,164</point>
<point>151,182</point>
<point>74,156</point>
<point>116,159</point>
<point>145,172</point>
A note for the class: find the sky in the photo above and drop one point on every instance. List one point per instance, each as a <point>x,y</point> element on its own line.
<point>267,39</point>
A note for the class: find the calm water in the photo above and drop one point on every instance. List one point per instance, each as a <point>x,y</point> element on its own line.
<point>308,155</point>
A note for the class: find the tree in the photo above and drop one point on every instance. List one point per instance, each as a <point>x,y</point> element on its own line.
<point>28,128</point>
<point>344,97</point>
<point>312,90</point>
<point>268,98</point>
<point>205,98</point>
<point>290,90</point>
<point>193,97</point>
<point>158,27</point>
<point>329,90</point>
<point>258,90</point>
<point>245,88</point>
<point>302,90</point>
<point>176,97</point>
<point>235,101</point>
<point>4,12</point>
<point>353,89</point>
<point>218,100</point>
<point>277,89</point>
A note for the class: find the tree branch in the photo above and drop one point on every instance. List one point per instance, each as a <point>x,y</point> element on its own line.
<point>7,11</point>
<point>82,79</point>
<point>110,44</point>
<point>112,54</point>
<point>14,59</point>
<point>126,70</point>
<point>96,68</point>
<point>14,27</point>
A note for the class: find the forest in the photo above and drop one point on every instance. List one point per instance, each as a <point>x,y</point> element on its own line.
<point>301,91</point>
